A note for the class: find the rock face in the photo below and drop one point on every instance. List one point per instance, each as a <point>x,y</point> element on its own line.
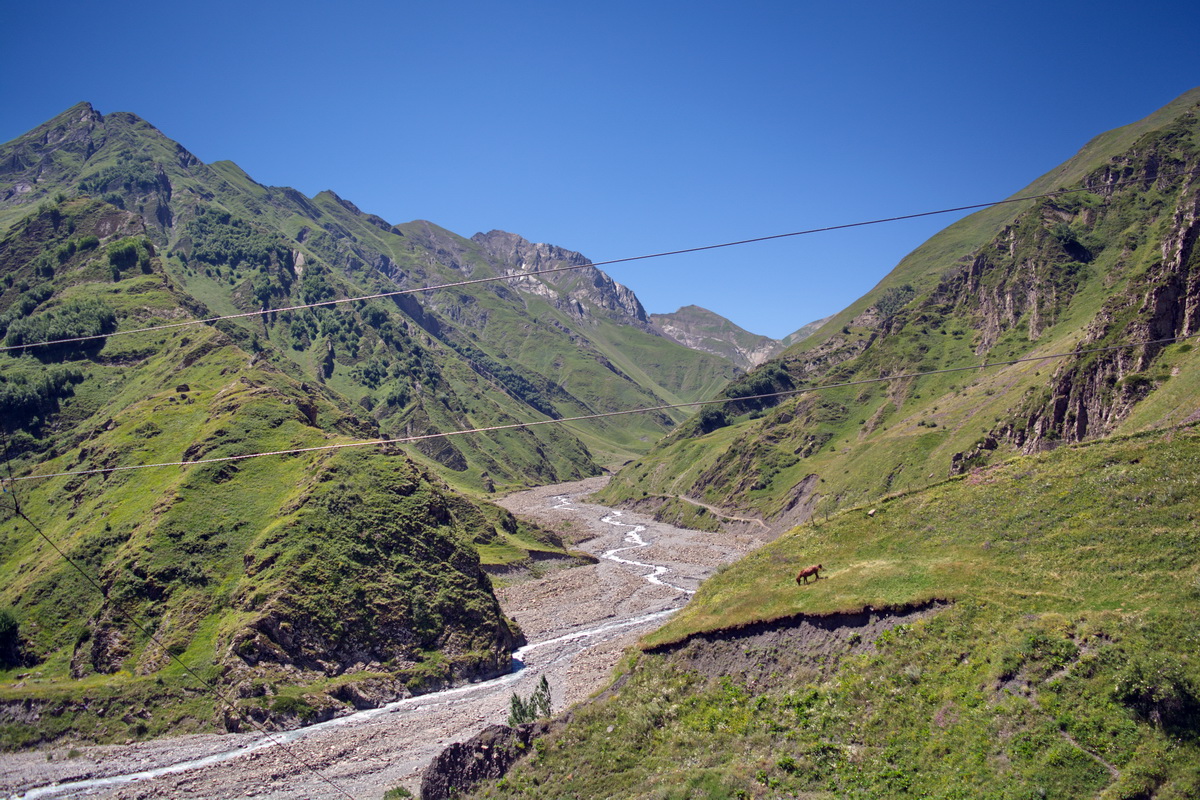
<point>487,756</point>
<point>1088,397</point>
<point>578,292</point>
<point>701,329</point>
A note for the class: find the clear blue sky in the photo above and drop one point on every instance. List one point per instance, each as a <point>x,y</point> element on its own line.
<point>622,128</point>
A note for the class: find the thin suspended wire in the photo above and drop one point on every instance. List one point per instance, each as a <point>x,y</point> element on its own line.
<point>573,267</point>
<point>587,417</point>
<point>220,696</point>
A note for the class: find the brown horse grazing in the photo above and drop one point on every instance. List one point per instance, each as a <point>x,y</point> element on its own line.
<point>814,571</point>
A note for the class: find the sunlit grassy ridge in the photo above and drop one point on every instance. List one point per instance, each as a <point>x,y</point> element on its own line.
<point>1101,527</point>
<point>1065,665</point>
<point>1037,278</point>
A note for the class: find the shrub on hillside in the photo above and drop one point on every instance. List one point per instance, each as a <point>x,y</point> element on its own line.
<point>531,708</point>
<point>10,640</point>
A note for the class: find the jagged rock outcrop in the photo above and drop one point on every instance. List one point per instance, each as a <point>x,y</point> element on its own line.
<point>1091,395</point>
<point>701,329</point>
<point>575,291</point>
<point>486,756</point>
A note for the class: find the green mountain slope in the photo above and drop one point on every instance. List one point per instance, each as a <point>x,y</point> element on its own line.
<point>1109,265</point>
<point>417,364</point>
<point>298,586</point>
<point>1060,662</point>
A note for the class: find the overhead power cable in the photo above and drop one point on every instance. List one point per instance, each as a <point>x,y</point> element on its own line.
<point>571,268</point>
<point>602,415</point>
<point>129,618</point>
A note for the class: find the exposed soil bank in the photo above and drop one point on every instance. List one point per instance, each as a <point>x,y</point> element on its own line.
<point>791,650</point>
<point>765,655</point>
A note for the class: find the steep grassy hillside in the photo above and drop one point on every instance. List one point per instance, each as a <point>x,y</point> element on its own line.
<point>475,356</point>
<point>1112,264</point>
<point>1063,664</point>
<point>298,586</point>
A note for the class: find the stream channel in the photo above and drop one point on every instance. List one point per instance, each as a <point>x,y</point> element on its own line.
<point>578,622</point>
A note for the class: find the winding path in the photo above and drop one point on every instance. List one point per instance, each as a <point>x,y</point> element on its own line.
<point>578,622</point>
<point>724,515</point>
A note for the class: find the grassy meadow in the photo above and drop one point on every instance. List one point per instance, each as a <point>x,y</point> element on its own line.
<point>1064,665</point>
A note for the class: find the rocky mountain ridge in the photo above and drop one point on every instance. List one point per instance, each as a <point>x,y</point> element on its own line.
<point>701,329</point>
<point>575,291</point>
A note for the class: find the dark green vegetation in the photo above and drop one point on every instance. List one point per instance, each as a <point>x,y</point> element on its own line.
<point>527,709</point>
<point>299,586</point>
<point>1064,667</point>
<point>1109,265</point>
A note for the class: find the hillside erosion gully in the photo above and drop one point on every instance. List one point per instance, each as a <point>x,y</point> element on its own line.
<point>578,622</point>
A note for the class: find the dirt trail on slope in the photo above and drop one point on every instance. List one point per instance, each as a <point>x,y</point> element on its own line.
<point>578,622</point>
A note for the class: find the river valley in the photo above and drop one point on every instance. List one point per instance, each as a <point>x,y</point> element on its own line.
<point>578,622</point>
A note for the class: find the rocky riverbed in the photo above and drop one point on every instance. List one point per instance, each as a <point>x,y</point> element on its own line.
<point>578,622</point>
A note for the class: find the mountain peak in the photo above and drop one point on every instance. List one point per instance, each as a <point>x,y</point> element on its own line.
<point>700,329</point>
<point>577,287</point>
<point>523,254</point>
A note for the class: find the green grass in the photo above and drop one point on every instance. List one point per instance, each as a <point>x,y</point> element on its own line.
<point>1015,534</point>
<point>675,511</point>
<point>1068,647</point>
<point>867,441</point>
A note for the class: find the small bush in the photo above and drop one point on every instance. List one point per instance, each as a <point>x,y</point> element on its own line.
<point>289,705</point>
<point>1157,689</point>
<point>527,710</point>
<point>10,639</point>
<point>710,419</point>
